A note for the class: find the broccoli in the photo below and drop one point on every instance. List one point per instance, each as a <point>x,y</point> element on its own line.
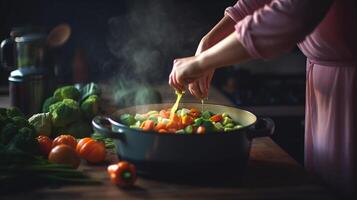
<point>8,131</point>
<point>127,119</point>
<point>13,112</point>
<point>89,107</point>
<point>78,129</point>
<point>42,123</point>
<point>89,90</point>
<point>65,112</point>
<point>25,140</point>
<point>48,102</point>
<point>67,92</point>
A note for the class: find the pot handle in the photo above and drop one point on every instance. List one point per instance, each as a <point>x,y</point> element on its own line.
<point>264,127</point>
<point>6,54</point>
<point>100,125</point>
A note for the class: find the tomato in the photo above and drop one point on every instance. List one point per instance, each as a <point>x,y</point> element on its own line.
<point>65,139</point>
<point>201,130</point>
<point>148,125</point>
<point>64,154</point>
<point>216,118</point>
<point>91,150</point>
<point>122,174</point>
<point>187,120</point>
<point>45,144</point>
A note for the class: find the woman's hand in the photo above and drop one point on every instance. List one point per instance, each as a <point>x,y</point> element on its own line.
<point>186,71</point>
<point>200,87</point>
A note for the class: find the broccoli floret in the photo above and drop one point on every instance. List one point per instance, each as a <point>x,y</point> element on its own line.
<point>42,123</point>
<point>13,112</point>
<point>67,92</point>
<point>8,131</point>
<point>48,102</point>
<point>25,140</point>
<point>90,106</point>
<point>127,119</point>
<point>78,129</point>
<point>89,90</point>
<point>65,112</point>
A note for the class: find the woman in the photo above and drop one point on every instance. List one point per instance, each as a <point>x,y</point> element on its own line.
<point>325,31</point>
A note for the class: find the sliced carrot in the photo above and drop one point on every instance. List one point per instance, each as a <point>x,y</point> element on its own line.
<point>148,125</point>
<point>172,130</point>
<point>172,125</point>
<point>164,114</point>
<point>159,126</point>
<point>175,118</point>
<point>216,118</point>
<point>163,131</point>
<point>186,120</point>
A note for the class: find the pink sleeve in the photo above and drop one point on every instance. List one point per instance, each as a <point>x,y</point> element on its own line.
<point>278,26</point>
<point>243,8</point>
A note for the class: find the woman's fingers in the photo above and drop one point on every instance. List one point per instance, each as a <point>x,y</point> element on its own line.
<point>194,89</point>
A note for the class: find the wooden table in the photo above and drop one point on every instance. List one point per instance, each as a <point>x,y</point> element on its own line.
<point>271,174</point>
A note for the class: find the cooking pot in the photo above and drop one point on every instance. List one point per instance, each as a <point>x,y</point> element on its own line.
<point>183,154</point>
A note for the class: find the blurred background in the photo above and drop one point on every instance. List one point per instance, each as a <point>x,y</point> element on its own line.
<point>131,42</point>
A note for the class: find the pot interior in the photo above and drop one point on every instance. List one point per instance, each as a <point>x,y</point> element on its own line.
<point>241,116</point>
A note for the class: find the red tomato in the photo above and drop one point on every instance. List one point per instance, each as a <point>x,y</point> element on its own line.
<point>45,144</point>
<point>91,150</point>
<point>65,139</point>
<point>201,130</point>
<point>122,174</point>
<point>64,154</point>
<point>216,118</point>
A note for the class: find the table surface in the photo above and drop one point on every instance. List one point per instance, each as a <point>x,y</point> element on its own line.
<point>271,174</point>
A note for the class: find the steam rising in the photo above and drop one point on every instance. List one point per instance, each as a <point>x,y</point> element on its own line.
<point>145,41</point>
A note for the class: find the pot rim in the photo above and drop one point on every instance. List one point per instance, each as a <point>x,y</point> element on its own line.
<point>210,133</point>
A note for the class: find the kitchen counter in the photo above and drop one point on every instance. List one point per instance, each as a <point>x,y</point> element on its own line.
<point>271,174</point>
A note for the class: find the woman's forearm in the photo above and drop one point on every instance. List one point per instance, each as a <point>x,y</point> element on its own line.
<point>221,30</point>
<point>227,52</point>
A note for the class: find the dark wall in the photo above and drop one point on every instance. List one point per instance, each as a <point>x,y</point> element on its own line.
<point>92,29</point>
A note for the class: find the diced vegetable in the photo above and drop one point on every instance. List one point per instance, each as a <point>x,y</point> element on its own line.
<point>227,120</point>
<point>229,125</point>
<point>181,131</point>
<point>148,125</point>
<point>216,118</point>
<point>189,129</point>
<point>219,126</point>
<point>139,117</point>
<point>206,114</point>
<point>187,120</point>
<point>201,130</point>
<point>198,122</point>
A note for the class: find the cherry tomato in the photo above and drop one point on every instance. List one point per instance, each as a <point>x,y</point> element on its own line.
<point>122,174</point>
<point>216,118</point>
<point>201,130</point>
<point>65,139</point>
<point>91,150</point>
<point>45,144</point>
<point>64,154</point>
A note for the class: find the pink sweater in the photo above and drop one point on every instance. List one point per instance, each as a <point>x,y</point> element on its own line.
<point>326,32</point>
